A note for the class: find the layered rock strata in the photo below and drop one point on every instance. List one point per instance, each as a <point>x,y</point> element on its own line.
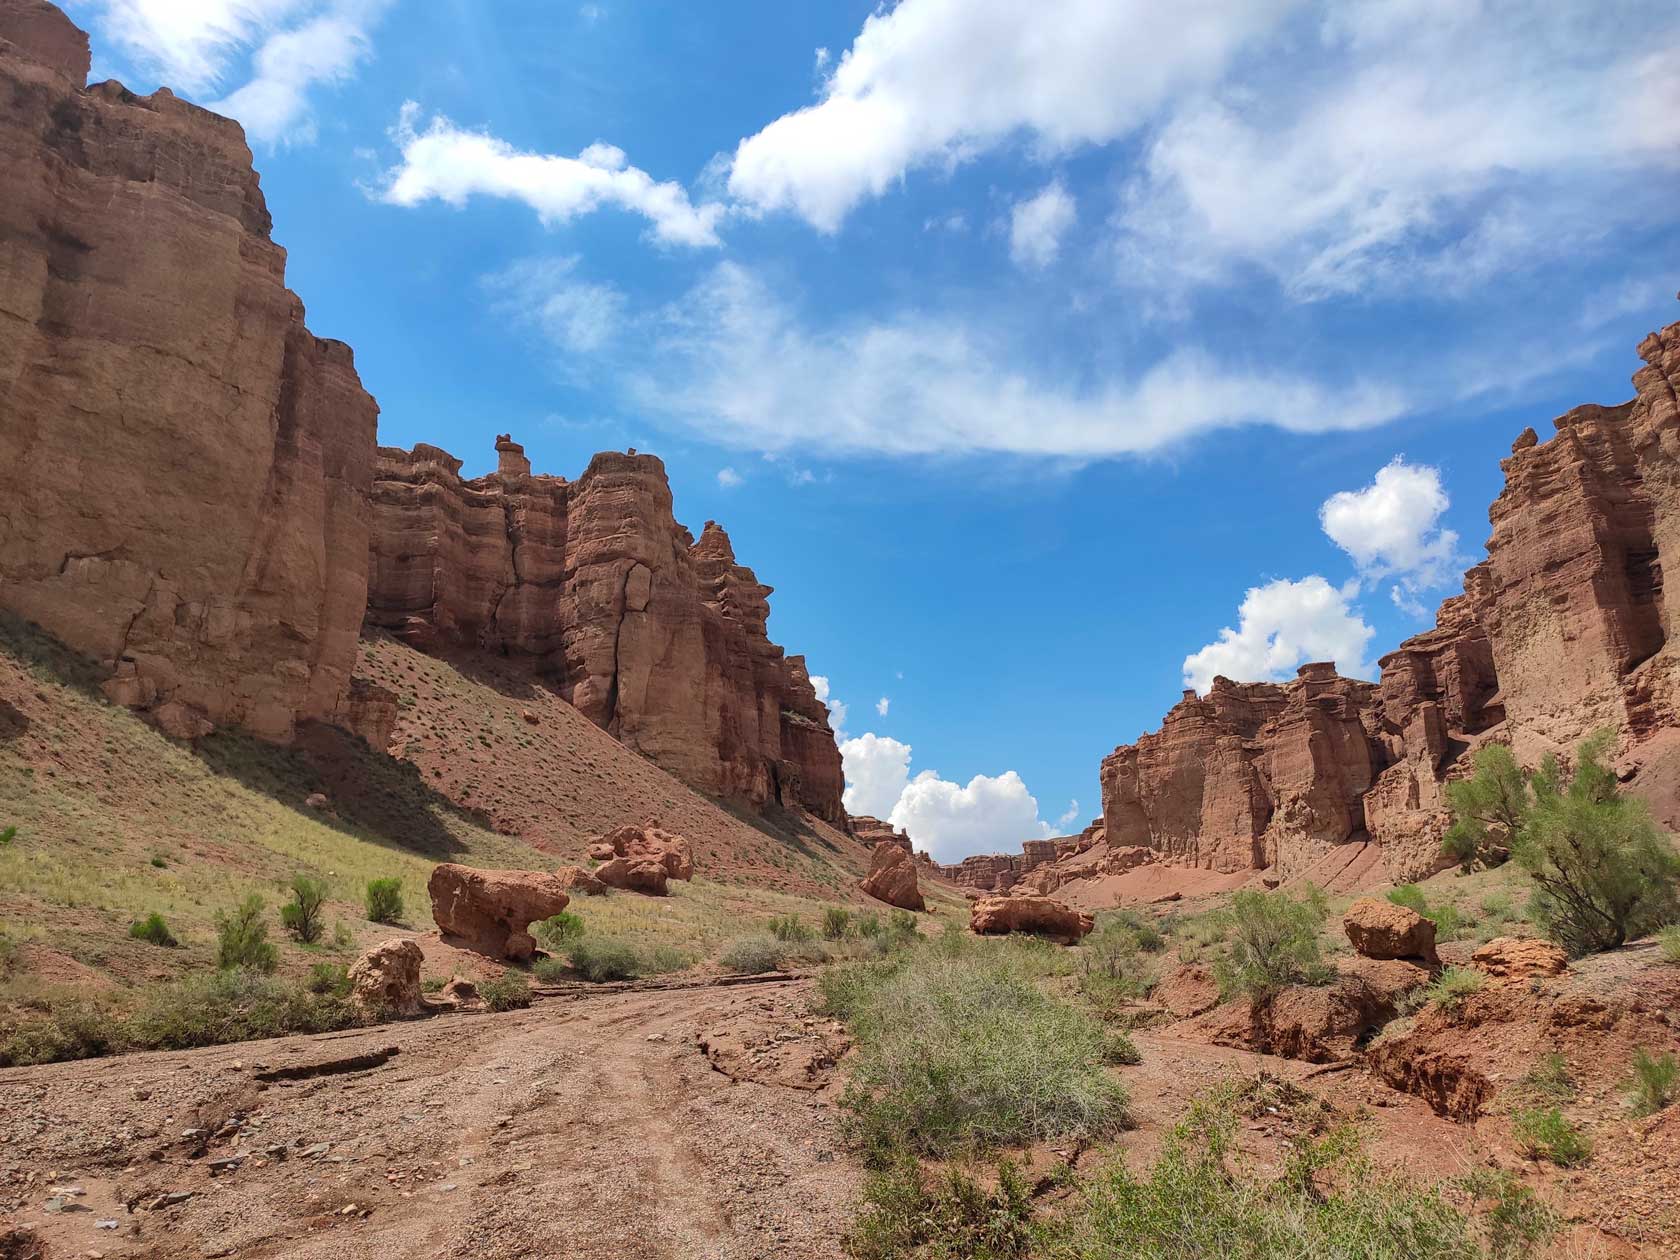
<point>658,638</point>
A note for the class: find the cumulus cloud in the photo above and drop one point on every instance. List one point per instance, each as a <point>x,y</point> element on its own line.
<point>735,361</point>
<point>931,82</point>
<point>202,47</point>
<point>989,814</point>
<point>877,772</point>
<point>577,315</point>
<point>882,705</point>
<point>1391,528</point>
<point>1280,626</point>
<point>451,164</point>
<point>836,707</point>
<point>1037,225</point>
<point>728,478</point>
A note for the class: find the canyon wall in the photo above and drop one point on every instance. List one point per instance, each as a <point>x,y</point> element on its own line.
<point>183,466</point>
<point>659,639</point>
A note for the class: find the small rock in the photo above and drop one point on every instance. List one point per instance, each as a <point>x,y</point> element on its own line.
<point>311,1152</point>
<point>104,1224</point>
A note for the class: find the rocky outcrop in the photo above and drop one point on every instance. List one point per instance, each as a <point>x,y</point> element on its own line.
<point>648,842</point>
<point>185,468</point>
<point>892,877</point>
<point>1380,929</point>
<point>492,911</point>
<point>873,831</point>
<point>385,981</point>
<point>998,916</point>
<point>1519,958</point>
<point>577,880</point>
<point>657,638</point>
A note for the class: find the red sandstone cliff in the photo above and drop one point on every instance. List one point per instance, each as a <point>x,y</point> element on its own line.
<point>184,467</point>
<point>655,637</point>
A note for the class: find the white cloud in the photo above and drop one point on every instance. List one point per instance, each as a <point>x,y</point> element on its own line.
<point>577,315</point>
<point>951,820</point>
<point>451,164</point>
<point>821,60</point>
<point>1069,816</point>
<point>836,708</point>
<point>1392,528</point>
<point>877,772</point>
<point>733,360</point>
<point>1280,626</point>
<point>728,478</point>
<point>1037,225</point>
<point>931,82</point>
<point>292,45</point>
<point>882,705</point>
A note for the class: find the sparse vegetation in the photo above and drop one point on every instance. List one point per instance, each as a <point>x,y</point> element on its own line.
<point>836,923</point>
<point>1653,1083</point>
<point>602,958</point>
<point>301,916</point>
<point>1668,943</point>
<point>1116,960</point>
<point>1121,1050</point>
<point>868,924</point>
<point>753,955</point>
<point>242,938</point>
<point>960,1048</point>
<point>1490,809</point>
<point>1549,1079</point>
<point>1449,989</point>
<point>329,977</point>
<point>1447,918</point>
<point>1273,942</point>
<point>909,1212</point>
<point>153,930</point>
<point>556,931</point>
<point>1543,1133</point>
<point>791,928</point>
<point>510,991</point>
<point>384,900</point>
<point>7,836</point>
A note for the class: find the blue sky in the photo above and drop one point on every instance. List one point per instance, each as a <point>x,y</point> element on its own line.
<point>1046,359</point>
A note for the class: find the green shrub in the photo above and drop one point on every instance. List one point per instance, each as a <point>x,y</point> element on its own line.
<point>790,927</point>
<point>73,1029</point>
<point>510,991</point>
<point>1543,1133</point>
<point>1449,989</point>
<point>242,938</point>
<point>1448,919</point>
<point>1549,1078</point>
<point>384,900</point>
<point>868,924</point>
<point>301,916</point>
<point>752,955</point>
<point>1668,943</point>
<point>1121,1050</point>
<point>836,923</point>
<point>159,863</point>
<point>153,930</point>
<point>902,924</point>
<point>7,836</point>
<point>1519,1224</point>
<point>1652,1086</point>
<point>1490,809</point>
<point>551,970</point>
<point>602,958</point>
<point>1272,943</point>
<point>1112,961</point>
<point>556,930</point>
<point>232,1005</point>
<point>959,1047</point>
<point>909,1212</point>
<point>329,977</point>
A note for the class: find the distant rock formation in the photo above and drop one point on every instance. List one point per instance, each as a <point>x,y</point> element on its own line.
<point>657,638</point>
<point>184,467</point>
<point>892,877</point>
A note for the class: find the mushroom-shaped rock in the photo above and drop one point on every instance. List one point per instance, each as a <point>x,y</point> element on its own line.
<point>647,842</point>
<point>575,879</point>
<point>643,875</point>
<point>1381,929</point>
<point>1517,958</point>
<point>997,916</point>
<point>492,911</point>
<point>387,978</point>
<point>892,877</point>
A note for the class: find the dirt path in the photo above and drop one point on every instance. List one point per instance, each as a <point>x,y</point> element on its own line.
<point>667,1124</point>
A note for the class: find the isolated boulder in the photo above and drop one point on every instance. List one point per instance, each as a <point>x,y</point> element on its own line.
<point>386,979</point>
<point>492,911</point>
<point>892,877</point>
<point>648,842</point>
<point>643,875</point>
<point>1517,958</point>
<point>575,879</point>
<point>459,994</point>
<point>1380,929</point>
<point>998,916</point>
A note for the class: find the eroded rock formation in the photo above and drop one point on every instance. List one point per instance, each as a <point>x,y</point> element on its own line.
<point>656,637</point>
<point>892,877</point>
<point>184,466</point>
<point>492,911</point>
<point>999,916</point>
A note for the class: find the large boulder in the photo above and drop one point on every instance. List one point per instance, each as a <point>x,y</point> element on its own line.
<point>492,911</point>
<point>998,916</point>
<point>386,979</point>
<point>1378,928</point>
<point>892,877</point>
<point>643,875</point>
<point>1518,958</point>
<point>648,842</point>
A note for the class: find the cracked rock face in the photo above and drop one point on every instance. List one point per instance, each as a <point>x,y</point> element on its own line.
<point>183,466</point>
<point>659,639</point>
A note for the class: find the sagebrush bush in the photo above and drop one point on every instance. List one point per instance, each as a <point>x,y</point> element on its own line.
<point>153,930</point>
<point>1543,1133</point>
<point>238,1004</point>
<point>1272,942</point>
<point>752,955</point>
<point>1449,921</point>
<point>836,923</point>
<point>329,977</point>
<point>868,924</point>
<point>790,927</point>
<point>1120,1049</point>
<point>602,958</point>
<point>242,938</point>
<point>1653,1084</point>
<point>959,1047</point>
<point>551,970</point>
<point>384,900</point>
<point>510,991</point>
<point>1449,989</point>
<point>302,915</point>
<point>909,1212</point>
<point>555,931</point>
